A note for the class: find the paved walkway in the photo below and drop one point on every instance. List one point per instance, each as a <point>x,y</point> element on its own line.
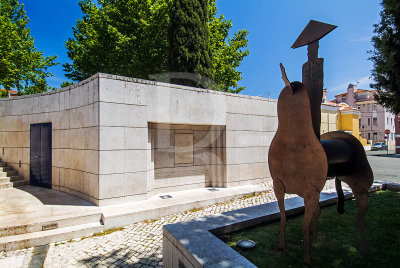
<point>135,245</point>
<point>140,244</point>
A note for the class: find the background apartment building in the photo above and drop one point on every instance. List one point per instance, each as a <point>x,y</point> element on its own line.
<point>374,118</point>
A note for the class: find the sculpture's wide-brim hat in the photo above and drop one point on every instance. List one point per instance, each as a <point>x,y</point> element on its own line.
<point>313,31</point>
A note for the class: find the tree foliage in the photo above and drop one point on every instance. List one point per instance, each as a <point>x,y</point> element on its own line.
<point>227,52</point>
<point>386,56</point>
<point>22,67</point>
<point>189,40</point>
<point>123,37</point>
<point>130,38</point>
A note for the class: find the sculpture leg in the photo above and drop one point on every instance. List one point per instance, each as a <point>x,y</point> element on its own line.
<point>362,204</point>
<point>311,199</point>
<point>339,191</point>
<point>314,222</point>
<point>279,190</point>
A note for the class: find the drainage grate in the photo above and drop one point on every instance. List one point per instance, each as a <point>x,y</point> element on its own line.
<point>213,190</point>
<point>50,226</point>
<point>165,196</point>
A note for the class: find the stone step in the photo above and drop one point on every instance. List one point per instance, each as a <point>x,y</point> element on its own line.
<point>12,178</point>
<point>3,169</point>
<point>12,181</point>
<point>9,227</point>
<point>4,179</point>
<point>20,183</point>
<point>5,185</point>
<point>8,173</point>
<point>27,240</point>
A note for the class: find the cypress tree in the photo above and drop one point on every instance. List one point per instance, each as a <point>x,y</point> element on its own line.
<point>386,56</point>
<point>189,40</point>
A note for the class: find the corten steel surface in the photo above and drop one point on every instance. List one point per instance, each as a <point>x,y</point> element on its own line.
<point>297,160</point>
<point>299,163</point>
<point>313,72</point>
<point>313,31</point>
<point>348,163</point>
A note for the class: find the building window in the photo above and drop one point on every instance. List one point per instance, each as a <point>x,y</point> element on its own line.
<point>369,135</point>
<point>387,120</point>
<point>368,107</point>
<point>375,136</point>
<point>374,106</point>
<point>391,121</point>
<point>375,121</point>
<point>369,121</point>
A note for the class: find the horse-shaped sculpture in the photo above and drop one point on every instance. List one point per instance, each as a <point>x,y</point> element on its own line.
<point>348,162</point>
<point>298,163</point>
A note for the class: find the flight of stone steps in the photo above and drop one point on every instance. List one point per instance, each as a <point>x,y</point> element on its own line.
<point>9,177</point>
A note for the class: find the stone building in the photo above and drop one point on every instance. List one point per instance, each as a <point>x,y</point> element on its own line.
<point>374,118</point>
<point>112,139</point>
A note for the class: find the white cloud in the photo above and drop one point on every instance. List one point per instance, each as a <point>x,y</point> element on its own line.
<point>362,83</point>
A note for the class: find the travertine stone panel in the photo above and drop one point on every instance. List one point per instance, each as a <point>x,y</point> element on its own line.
<point>135,160</point>
<point>248,138</point>
<point>111,185</point>
<point>112,162</point>
<point>183,148</point>
<point>246,155</point>
<point>135,183</point>
<point>121,115</point>
<point>164,158</point>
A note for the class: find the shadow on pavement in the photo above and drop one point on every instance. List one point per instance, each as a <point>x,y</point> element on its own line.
<point>124,257</point>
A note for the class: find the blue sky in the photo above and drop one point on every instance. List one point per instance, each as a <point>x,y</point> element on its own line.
<point>273,27</point>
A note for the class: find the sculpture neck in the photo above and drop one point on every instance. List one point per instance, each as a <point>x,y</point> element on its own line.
<point>313,50</point>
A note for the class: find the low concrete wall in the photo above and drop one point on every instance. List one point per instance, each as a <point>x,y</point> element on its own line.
<point>195,243</point>
<point>103,142</point>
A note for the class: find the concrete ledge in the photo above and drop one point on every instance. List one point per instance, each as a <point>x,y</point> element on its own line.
<point>128,213</point>
<point>194,243</point>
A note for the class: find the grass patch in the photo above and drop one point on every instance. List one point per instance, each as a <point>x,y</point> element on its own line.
<point>336,244</point>
<point>106,232</point>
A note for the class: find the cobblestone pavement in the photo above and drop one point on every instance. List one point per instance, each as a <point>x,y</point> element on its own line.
<point>135,245</point>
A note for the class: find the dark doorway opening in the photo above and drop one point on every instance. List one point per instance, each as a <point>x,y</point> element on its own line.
<point>40,155</point>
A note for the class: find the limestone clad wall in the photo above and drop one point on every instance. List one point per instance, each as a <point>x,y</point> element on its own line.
<point>118,139</point>
<point>74,114</point>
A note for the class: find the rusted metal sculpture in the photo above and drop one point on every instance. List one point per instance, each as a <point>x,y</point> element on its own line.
<point>299,162</point>
<point>313,71</point>
<point>348,162</point>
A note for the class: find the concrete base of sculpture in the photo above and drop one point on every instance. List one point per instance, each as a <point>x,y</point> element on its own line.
<point>195,243</point>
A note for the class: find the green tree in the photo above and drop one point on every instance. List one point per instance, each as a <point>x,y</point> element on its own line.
<point>126,37</point>
<point>66,84</point>
<point>386,56</point>
<point>189,40</point>
<point>227,53</point>
<point>22,67</point>
<point>130,38</point>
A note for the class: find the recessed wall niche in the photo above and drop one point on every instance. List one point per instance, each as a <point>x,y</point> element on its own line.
<point>187,156</point>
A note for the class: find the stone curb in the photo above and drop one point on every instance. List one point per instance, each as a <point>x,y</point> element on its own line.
<point>195,244</point>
